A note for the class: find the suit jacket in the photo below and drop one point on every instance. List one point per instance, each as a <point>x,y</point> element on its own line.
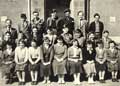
<point>68,21</point>
<point>92,27</point>
<point>52,22</point>
<point>13,33</point>
<point>47,53</point>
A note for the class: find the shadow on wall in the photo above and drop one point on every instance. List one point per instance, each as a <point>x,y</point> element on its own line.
<point>59,5</point>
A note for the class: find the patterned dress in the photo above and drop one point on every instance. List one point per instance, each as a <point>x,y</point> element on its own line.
<point>112,55</point>
<point>21,55</point>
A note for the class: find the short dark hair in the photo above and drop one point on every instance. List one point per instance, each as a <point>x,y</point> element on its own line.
<point>79,12</point>
<point>8,33</point>
<point>77,31</point>
<point>99,42</point>
<point>9,43</point>
<point>8,20</point>
<point>23,16</point>
<point>76,41</point>
<point>106,31</point>
<point>90,34</point>
<point>22,40</point>
<point>89,42</point>
<point>34,26</point>
<point>96,14</point>
<point>46,39</point>
<point>112,42</point>
<point>35,12</point>
<point>60,38</point>
<point>49,28</point>
<point>54,10</point>
<point>67,10</point>
<point>33,40</point>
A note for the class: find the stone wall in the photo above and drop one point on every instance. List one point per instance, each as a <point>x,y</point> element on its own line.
<point>110,14</point>
<point>12,9</point>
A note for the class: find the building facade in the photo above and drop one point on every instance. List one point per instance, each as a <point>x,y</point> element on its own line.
<point>108,9</point>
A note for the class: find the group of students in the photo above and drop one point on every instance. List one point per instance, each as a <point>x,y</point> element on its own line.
<point>57,47</point>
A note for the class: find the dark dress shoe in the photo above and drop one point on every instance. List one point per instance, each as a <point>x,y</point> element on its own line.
<point>116,80</point>
<point>10,81</point>
<point>7,82</point>
<point>23,83</point>
<point>32,83</point>
<point>113,80</point>
<point>35,82</point>
<point>103,81</point>
<point>20,83</point>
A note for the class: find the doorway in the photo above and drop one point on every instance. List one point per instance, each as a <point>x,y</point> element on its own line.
<point>59,5</point>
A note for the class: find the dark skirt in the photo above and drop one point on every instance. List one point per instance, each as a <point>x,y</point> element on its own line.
<point>34,67</point>
<point>100,67</point>
<point>112,67</point>
<point>21,67</point>
<point>45,70</point>
<point>59,67</point>
<point>74,67</point>
<point>8,69</point>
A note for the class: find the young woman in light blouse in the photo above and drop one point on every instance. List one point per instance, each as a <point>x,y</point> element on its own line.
<point>112,55</point>
<point>35,54</point>
<point>21,58</point>
<point>74,61</point>
<point>100,61</point>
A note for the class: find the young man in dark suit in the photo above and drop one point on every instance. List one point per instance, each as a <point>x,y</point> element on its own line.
<point>9,28</point>
<point>97,26</point>
<point>66,20</point>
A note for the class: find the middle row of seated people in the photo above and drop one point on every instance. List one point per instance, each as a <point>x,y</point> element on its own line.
<point>66,55</point>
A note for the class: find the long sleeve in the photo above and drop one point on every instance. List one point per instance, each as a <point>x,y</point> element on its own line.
<point>65,53</point>
<point>39,55</point>
<point>81,56</point>
<point>51,54</point>
<point>68,53</point>
<point>29,55</point>
<point>26,55</point>
<point>16,55</point>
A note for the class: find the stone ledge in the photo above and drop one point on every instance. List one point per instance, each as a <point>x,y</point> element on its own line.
<point>115,38</point>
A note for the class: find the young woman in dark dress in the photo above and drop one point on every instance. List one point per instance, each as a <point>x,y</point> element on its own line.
<point>89,54</point>
<point>8,64</point>
<point>46,60</point>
